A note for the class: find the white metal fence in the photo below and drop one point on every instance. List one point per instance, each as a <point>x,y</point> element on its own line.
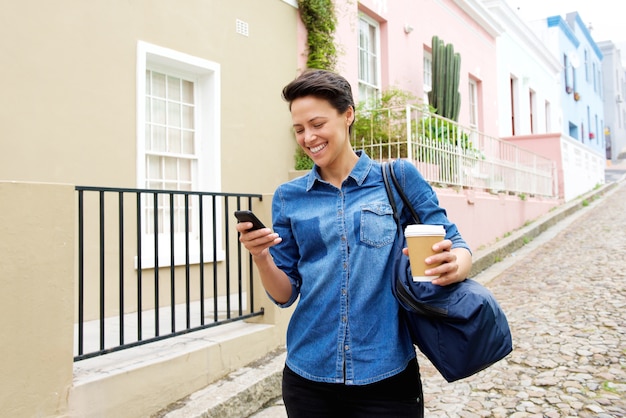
<point>449,154</point>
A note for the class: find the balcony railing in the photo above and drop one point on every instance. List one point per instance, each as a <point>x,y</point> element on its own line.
<point>448,154</point>
<point>154,264</point>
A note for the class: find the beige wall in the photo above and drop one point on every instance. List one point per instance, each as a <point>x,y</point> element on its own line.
<point>36,301</point>
<point>68,71</point>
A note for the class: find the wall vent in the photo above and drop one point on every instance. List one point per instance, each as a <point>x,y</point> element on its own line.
<point>242,27</point>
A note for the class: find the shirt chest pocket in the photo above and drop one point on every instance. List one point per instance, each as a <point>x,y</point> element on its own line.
<point>378,228</point>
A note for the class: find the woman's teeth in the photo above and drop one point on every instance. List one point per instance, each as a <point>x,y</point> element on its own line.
<point>318,148</point>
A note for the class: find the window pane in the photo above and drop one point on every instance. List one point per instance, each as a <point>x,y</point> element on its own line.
<point>173,114</point>
<point>158,139</point>
<point>173,139</point>
<point>188,143</point>
<point>158,111</point>
<point>170,168</point>
<point>372,76</point>
<point>158,85</point>
<point>187,92</point>
<point>153,167</point>
<point>154,185</point>
<point>188,117</point>
<point>148,84</point>
<point>428,74</point>
<point>171,185</point>
<point>185,170</point>
<point>148,110</point>
<point>173,88</point>
<point>362,66</point>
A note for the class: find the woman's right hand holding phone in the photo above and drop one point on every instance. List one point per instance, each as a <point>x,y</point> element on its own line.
<point>257,241</point>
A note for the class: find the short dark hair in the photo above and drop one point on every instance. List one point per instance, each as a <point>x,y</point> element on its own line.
<point>322,84</point>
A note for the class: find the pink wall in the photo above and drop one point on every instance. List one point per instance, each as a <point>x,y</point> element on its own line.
<point>483,218</point>
<point>548,146</point>
<point>402,53</point>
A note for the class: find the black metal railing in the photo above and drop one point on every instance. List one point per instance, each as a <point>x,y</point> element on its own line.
<point>154,264</point>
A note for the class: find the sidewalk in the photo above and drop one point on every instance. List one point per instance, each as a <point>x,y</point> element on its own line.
<point>565,296</point>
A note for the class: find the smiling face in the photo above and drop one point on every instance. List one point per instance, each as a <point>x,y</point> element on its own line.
<point>323,133</point>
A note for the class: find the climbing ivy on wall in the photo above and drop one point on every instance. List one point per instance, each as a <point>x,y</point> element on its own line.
<point>320,22</point>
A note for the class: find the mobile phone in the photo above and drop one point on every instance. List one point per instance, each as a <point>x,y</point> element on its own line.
<point>248,216</point>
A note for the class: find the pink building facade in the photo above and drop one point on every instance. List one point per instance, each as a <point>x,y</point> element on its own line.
<point>384,44</point>
<point>387,44</point>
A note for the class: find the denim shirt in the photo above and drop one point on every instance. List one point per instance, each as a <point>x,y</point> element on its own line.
<point>335,249</point>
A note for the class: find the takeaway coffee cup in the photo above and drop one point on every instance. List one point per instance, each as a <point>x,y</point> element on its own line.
<point>420,239</point>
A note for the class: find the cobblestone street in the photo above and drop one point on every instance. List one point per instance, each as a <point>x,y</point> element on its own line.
<point>566,304</point>
<point>565,298</point>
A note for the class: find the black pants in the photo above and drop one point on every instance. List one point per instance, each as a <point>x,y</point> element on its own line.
<point>399,396</point>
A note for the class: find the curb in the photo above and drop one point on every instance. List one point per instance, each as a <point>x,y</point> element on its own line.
<point>498,251</point>
<point>240,394</point>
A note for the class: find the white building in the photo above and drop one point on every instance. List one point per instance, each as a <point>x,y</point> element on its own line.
<point>614,95</point>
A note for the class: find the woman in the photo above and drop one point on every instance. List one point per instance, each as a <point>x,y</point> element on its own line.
<point>348,353</point>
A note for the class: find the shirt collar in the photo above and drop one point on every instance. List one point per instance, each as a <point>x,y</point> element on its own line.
<point>359,172</point>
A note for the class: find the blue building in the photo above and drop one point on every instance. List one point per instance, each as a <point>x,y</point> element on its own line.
<point>581,78</point>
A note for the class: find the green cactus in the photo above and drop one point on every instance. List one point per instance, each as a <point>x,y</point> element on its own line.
<point>444,95</point>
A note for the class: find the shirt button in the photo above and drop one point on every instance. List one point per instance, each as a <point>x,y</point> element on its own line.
<point>346,347</point>
<point>345,266</point>
<point>344,319</point>
<point>343,238</point>
<point>343,291</point>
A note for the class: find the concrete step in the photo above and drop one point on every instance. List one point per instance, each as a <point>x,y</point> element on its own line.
<point>240,394</point>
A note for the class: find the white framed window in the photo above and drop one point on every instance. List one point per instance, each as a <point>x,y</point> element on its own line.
<point>428,71</point>
<point>595,80</point>
<point>474,108</point>
<point>369,59</point>
<point>428,74</point>
<point>170,132</point>
<point>586,65</point>
<point>178,149</point>
<point>514,105</point>
<point>532,110</point>
<point>568,86</point>
<point>473,103</point>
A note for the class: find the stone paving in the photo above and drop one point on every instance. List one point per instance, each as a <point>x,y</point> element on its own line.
<point>566,304</point>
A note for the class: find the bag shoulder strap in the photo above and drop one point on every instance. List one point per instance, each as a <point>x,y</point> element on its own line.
<point>405,199</point>
<point>392,200</point>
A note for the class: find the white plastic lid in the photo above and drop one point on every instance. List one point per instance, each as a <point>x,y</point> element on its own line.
<point>424,230</point>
